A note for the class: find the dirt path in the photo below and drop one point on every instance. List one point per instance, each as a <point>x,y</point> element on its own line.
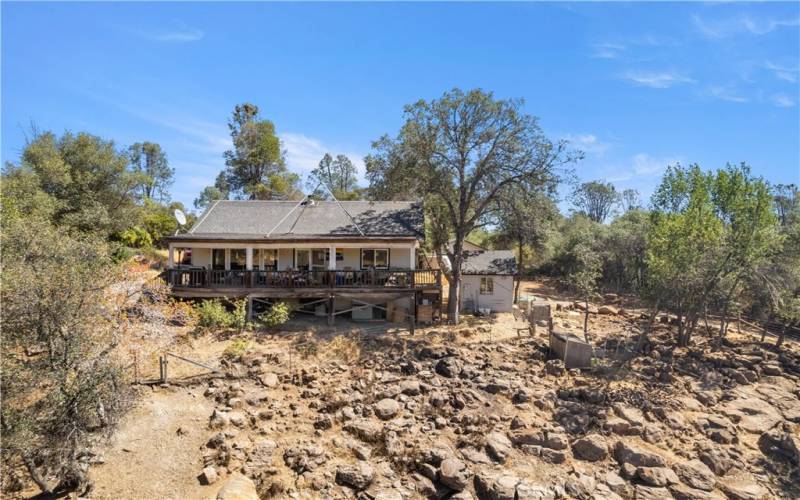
<point>148,457</point>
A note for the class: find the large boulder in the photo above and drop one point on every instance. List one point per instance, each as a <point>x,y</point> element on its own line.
<point>528,491</point>
<point>752,414</point>
<point>696,474</point>
<point>637,456</point>
<point>742,487</point>
<point>683,492</point>
<point>209,475</point>
<point>449,367</point>
<point>357,476</point>
<point>580,486</point>
<point>498,446</point>
<point>656,476</point>
<point>238,487</point>
<point>651,493</point>
<point>387,408</point>
<point>781,444</point>
<point>454,474</point>
<point>592,448</point>
<point>496,487</point>
<point>365,430</point>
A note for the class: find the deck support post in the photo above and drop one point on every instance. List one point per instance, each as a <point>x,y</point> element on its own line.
<point>412,313</point>
<point>249,309</point>
<point>330,310</point>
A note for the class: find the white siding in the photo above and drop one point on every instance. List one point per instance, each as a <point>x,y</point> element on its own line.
<point>501,300</point>
<point>201,257</point>
<point>285,258</point>
<point>399,258</point>
<point>352,259</point>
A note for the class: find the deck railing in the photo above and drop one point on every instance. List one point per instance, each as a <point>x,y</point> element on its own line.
<point>391,278</point>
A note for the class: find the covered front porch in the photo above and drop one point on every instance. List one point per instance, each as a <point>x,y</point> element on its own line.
<point>241,266</point>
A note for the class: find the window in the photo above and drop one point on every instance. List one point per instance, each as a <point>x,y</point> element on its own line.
<point>269,259</point>
<point>375,257</point>
<point>218,258</point>
<point>238,258</point>
<point>487,286</point>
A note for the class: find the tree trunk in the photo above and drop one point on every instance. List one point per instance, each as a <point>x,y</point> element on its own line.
<point>519,273</point>
<point>36,476</point>
<point>781,336</point>
<point>454,300</point>
<point>586,318</point>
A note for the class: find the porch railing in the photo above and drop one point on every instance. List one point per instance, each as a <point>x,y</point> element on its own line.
<point>208,278</point>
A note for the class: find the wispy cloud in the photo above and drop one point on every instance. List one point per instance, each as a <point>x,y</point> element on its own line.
<point>179,34</point>
<point>783,72</point>
<point>783,100</point>
<point>725,93</point>
<point>741,25</point>
<point>607,50</point>
<point>588,143</point>
<point>656,79</point>
<point>303,153</point>
<point>641,165</point>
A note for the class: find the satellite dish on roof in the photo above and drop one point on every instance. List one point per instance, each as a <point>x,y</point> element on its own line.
<point>180,216</point>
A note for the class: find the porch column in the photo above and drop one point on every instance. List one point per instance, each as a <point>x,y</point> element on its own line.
<point>332,259</point>
<point>412,264</point>
<point>170,257</point>
<point>248,262</point>
<point>227,259</point>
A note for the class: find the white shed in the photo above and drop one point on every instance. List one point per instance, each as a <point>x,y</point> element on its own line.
<point>488,280</point>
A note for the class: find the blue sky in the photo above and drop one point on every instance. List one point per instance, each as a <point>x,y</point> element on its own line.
<point>636,86</point>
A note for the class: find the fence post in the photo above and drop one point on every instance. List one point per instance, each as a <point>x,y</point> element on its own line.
<point>163,361</point>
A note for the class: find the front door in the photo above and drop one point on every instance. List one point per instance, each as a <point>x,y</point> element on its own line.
<point>311,259</point>
<point>302,259</point>
<point>218,258</point>
<point>319,259</point>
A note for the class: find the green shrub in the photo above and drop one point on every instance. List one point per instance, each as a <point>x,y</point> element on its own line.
<point>236,349</point>
<point>239,315</point>
<point>277,315</point>
<point>212,314</point>
<point>136,237</point>
<point>120,253</point>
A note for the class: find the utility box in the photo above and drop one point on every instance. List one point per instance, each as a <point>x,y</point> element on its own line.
<point>424,313</point>
<point>571,349</point>
<point>539,311</point>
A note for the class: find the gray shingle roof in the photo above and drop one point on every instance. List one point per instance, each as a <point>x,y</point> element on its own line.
<point>234,219</point>
<point>489,262</point>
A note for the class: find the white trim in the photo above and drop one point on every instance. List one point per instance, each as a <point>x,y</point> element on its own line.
<point>332,258</point>
<point>321,244</point>
<point>375,249</point>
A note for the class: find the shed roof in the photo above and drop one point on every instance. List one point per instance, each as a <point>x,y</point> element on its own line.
<point>489,262</point>
<point>281,220</point>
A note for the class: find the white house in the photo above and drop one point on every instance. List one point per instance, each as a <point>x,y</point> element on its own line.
<point>353,258</point>
<point>488,280</point>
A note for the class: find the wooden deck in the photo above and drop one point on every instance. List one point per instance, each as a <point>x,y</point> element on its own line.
<point>198,282</point>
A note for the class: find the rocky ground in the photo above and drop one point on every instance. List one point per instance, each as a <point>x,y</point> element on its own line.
<point>452,414</point>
